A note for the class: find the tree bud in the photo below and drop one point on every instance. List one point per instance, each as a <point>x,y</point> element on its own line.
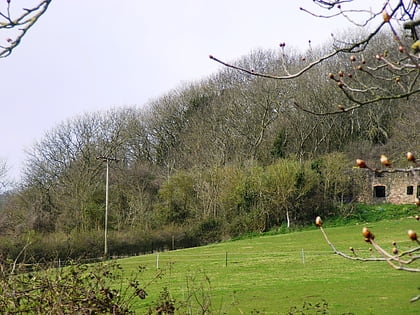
<point>367,234</point>
<point>384,160</point>
<point>410,157</point>
<point>412,235</point>
<point>386,16</point>
<point>360,163</point>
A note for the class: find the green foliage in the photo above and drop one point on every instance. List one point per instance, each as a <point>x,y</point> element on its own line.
<point>177,197</point>
<point>336,181</point>
<point>242,191</point>
<point>76,289</point>
<point>286,185</point>
<point>87,245</point>
<point>199,206</point>
<point>279,150</point>
<point>208,231</point>
<point>359,213</point>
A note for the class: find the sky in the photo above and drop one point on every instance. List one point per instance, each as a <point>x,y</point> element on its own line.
<point>83,56</point>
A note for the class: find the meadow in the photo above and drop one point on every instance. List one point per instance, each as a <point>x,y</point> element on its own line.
<point>279,274</point>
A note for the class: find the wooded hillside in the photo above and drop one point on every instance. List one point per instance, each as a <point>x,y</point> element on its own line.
<point>209,160</point>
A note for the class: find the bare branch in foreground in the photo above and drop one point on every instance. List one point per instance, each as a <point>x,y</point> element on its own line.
<point>19,24</point>
<point>394,259</point>
<point>368,83</point>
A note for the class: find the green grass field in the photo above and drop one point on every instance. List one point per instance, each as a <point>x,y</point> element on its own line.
<point>271,274</point>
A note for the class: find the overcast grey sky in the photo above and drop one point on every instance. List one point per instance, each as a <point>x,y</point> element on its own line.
<point>89,55</point>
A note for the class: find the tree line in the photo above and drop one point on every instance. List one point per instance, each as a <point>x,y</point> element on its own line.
<point>207,161</point>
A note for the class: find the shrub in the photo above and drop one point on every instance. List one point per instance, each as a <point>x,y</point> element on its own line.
<point>77,289</point>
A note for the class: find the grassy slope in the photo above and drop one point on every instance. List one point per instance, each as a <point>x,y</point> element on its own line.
<point>267,274</point>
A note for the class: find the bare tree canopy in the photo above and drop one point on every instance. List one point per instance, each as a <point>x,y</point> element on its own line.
<point>371,74</point>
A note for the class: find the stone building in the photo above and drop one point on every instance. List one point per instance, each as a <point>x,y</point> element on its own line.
<point>391,187</point>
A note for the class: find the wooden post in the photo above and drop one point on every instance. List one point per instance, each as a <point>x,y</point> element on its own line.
<point>303,256</point>
<point>173,242</point>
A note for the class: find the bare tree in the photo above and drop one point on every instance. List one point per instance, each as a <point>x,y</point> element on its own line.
<point>16,18</point>
<point>370,72</point>
<point>3,174</point>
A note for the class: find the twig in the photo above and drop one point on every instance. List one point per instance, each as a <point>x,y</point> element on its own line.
<point>347,256</point>
<point>17,257</point>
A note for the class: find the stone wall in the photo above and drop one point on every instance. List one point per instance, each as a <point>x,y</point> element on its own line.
<point>396,188</point>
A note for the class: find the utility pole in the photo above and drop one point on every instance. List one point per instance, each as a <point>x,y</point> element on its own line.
<point>106,159</point>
